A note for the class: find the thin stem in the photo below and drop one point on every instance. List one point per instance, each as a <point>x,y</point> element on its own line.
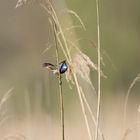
<point>99,70</point>
<point>61,97</point>
<point>62,108</point>
<point>90,111</point>
<point>126,100</point>
<point>82,106</point>
<point>60,83</point>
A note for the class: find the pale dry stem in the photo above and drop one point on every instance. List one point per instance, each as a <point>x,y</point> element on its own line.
<point>99,69</point>
<point>127,97</point>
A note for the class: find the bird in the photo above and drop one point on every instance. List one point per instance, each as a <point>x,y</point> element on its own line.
<point>57,69</point>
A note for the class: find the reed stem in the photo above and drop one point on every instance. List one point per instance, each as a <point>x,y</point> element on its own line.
<point>99,70</point>
<point>60,83</point>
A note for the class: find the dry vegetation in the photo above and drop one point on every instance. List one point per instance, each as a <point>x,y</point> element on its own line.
<point>80,66</point>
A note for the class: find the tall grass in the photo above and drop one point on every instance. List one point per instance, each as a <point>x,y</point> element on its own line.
<point>60,82</point>
<point>63,43</point>
<point>79,64</point>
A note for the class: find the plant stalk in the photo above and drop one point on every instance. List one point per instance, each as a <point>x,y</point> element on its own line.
<point>60,83</point>
<point>99,70</point>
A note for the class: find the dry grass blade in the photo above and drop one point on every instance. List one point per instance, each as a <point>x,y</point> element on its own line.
<point>99,68</point>
<point>70,28</point>
<point>91,113</point>
<point>82,65</point>
<point>22,2</point>
<point>3,111</point>
<point>127,97</point>
<point>60,87</point>
<point>47,48</point>
<point>5,97</point>
<point>82,106</point>
<point>76,15</point>
<point>90,63</point>
<point>55,19</point>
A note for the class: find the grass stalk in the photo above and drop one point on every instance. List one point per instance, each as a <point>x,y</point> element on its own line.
<point>62,108</point>
<point>64,46</point>
<point>82,106</point>
<point>5,97</point>
<point>137,78</point>
<point>60,83</point>
<point>61,93</point>
<point>75,77</point>
<point>91,113</point>
<point>99,69</point>
<point>3,100</point>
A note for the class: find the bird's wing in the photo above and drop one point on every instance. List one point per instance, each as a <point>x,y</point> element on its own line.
<point>49,66</point>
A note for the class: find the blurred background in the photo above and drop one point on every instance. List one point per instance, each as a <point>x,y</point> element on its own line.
<point>33,106</point>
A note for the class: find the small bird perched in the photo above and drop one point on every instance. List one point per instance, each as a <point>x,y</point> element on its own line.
<point>62,68</point>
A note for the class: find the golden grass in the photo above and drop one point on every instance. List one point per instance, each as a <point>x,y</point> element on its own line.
<point>80,65</point>
<point>66,45</point>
